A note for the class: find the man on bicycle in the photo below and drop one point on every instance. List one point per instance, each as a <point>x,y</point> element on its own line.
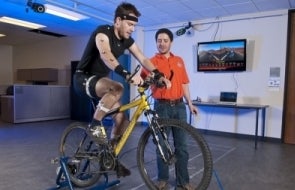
<point>105,45</point>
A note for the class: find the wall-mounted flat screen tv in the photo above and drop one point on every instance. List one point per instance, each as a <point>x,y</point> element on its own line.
<point>226,55</point>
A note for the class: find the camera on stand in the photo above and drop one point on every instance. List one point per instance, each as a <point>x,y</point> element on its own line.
<point>37,7</point>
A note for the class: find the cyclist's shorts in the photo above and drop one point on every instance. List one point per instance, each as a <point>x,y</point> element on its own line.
<point>84,84</point>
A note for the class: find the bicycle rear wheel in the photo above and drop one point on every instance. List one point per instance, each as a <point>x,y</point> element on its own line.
<point>83,164</point>
<point>199,160</point>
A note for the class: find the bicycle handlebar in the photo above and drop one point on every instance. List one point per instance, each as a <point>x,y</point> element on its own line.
<point>148,81</point>
<point>129,80</point>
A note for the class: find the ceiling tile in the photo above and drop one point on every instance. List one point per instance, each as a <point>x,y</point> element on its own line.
<point>231,2</point>
<point>240,8</point>
<point>268,5</point>
<point>213,12</point>
<point>199,4</point>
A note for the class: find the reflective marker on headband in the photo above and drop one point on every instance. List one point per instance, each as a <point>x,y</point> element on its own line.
<point>128,17</point>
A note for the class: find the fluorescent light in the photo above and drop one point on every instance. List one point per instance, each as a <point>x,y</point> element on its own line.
<point>2,35</point>
<point>20,22</point>
<point>57,11</point>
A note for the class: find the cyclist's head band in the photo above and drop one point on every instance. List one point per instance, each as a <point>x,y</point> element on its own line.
<point>128,17</point>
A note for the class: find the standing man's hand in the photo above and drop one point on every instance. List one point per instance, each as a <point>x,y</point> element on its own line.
<point>193,109</point>
<point>166,82</point>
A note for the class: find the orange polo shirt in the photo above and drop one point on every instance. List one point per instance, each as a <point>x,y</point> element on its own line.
<point>166,65</point>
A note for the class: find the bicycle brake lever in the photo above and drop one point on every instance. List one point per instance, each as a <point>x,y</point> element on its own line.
<point>129,80</point>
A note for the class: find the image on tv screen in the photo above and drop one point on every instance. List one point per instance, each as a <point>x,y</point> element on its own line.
<point>227,55</point>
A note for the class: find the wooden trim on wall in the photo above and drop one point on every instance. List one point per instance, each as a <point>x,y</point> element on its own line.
<point>288,129</point>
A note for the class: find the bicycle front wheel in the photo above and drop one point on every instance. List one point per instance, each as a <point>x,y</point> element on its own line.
<point>81,154</point>
<point>191,158</point>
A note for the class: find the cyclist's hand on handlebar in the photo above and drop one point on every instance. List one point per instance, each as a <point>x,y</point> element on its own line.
<point>161,81</point>
<point>134,78</point>
<point>157,74</point>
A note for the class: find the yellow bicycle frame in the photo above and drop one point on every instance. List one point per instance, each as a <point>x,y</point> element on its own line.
<point>142,104</point>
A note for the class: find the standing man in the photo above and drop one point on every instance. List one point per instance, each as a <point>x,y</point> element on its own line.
<point>169,104</point>
<point>105,45</point>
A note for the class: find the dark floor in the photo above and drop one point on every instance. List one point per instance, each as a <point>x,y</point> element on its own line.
<point>27,150</point>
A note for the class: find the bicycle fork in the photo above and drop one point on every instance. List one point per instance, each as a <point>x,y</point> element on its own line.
<point>160,138</point>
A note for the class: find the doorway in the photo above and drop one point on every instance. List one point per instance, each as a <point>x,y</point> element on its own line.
<point>288,129</point>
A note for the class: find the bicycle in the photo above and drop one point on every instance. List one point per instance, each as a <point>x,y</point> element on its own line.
<point>88,160</point>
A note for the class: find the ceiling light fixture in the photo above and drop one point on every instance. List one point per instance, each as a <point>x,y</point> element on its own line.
<point>2,35</point>
<point>57,11</point>
<point>75,8</point>
<point>22,23</point>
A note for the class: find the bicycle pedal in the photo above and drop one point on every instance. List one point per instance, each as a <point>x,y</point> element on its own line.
<point>122,171</point>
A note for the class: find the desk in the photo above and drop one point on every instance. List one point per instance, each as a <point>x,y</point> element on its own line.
<point>255,107</point>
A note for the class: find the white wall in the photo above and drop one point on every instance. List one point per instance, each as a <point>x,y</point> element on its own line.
<point>266,34</point>
<point>50,54</point>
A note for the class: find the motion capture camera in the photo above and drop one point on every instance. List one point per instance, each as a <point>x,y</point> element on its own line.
<point>180,32</point>
<point>183,30</point>
<point>37,7</point>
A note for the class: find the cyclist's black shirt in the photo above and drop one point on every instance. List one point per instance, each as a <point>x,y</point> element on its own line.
<point>91,62</point>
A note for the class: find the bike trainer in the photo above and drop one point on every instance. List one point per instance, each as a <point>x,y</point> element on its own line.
<point>63,179</point>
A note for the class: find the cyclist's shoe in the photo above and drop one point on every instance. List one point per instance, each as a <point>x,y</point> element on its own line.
<point>186,187</point>
<point>162,185</point>
<point>122,171</point>
<point>98,134</point>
